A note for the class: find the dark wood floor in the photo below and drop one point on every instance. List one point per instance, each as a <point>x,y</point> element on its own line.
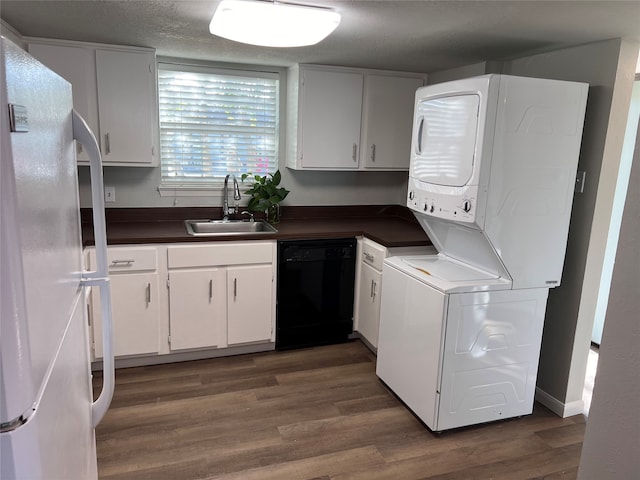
<point>318,413</point>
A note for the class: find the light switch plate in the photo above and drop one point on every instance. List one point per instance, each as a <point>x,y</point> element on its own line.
<point>109,194</point>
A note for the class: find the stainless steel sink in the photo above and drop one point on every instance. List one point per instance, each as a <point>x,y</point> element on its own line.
<point>211,228</point>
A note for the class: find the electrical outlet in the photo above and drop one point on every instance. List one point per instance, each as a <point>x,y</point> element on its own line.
<point>109,194</point>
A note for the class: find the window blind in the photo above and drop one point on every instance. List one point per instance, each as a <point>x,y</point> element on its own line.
<point>213,124</point>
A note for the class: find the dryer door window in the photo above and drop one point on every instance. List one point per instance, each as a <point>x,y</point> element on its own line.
<point>444,140</point>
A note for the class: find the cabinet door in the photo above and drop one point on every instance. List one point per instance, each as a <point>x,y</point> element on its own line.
<point>329,122</point>
<point>197,308</point>
<point>77,66</point>
<point>135,312</point>
<point>126,99</point>
<point>250,303</point>
<point>387,121</point>
<point>369,304</point>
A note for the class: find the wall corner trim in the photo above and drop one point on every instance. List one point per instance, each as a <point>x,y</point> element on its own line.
<point>561,409</point>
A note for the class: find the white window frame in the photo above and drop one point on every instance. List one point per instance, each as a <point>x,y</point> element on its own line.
<point>214,188</point>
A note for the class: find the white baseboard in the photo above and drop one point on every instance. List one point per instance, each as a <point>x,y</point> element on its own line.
<point>185,356</point>
<point>556,406</point>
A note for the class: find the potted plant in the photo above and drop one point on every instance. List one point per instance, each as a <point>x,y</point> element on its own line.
<point>266,195</point>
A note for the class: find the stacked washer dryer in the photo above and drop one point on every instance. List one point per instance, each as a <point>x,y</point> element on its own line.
<point>492,174</point>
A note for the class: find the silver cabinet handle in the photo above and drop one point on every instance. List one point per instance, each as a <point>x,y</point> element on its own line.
<point>148,293</point>
<point>235,289</point>
<point>107,144</point>
<point>373,289</point>
<point>125,263</point>
<point>368,257</point>
<point>210,290</point>
<point>354,152</point>
<point>373,152</point>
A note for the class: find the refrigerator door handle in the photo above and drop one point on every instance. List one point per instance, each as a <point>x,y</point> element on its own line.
<point>100,277</point>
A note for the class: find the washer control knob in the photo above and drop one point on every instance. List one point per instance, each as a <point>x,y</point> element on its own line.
<point>466,206</point>
<point>432,208</point>
<point>425,207</point>
<point>411,195</point>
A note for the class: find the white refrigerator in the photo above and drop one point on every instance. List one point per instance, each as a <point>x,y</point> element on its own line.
<point>47,412</point>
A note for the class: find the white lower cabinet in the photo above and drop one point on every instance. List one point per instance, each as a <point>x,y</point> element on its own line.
<point>249,304</point>
<point>183,298</point>
<point>197,308</point>
<point>367,317</point>
<point>221,295</point>
<point>135,306</point>
<point>369,303</point>
<point>135,302</point>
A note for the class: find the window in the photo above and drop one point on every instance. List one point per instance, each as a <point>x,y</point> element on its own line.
<point>214,122</point>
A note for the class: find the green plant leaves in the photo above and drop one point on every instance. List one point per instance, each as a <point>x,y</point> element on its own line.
<point>276,178</point>
<point>264,191</point>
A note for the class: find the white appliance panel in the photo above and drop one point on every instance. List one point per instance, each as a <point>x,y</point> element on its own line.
<point>46,195</point>
<point>490,358</point>
<point>47,415</point>
<point>442,195</point>
<point>537,142</point>
<point>410,341</point>
<point>444,268</point>
<point>468,245</point>
<point>445,143</point>
<point>501,238</point>
<point>447,275</point>
<point>458,359</point>
<point>527,152</point>
<point>62,417</point>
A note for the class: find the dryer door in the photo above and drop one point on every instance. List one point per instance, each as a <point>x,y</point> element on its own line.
<point>444,139</point>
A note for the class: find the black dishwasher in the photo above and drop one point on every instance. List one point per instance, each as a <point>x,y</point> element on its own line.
<point>315,292</point>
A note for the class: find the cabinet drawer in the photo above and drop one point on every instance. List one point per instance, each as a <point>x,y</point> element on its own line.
<point>185,256</point>
<point>132,259</point>
<point>373,254</point>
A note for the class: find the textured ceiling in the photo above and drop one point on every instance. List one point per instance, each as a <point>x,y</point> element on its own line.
<point>423,36</point>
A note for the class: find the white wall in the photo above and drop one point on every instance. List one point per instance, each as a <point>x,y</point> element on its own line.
<point>466,71</point>
<point>616,217</point>
<point>10,33</point>
<point>611,447</point>
<point>137,187</point>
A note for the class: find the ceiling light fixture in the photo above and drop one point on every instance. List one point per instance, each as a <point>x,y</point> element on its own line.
<point>272,23</point>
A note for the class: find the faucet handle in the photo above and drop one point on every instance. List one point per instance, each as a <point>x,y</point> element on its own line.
<point>250,215</point>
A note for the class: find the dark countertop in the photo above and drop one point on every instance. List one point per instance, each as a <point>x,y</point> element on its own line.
<point>391,226</point>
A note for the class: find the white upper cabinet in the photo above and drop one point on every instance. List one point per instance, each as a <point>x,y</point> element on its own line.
<point>77,66</point>
<point>114,89</point>
<point>127,98</point>
<point>330,111</point>
<point>387,119</point>
<point>350,119</point>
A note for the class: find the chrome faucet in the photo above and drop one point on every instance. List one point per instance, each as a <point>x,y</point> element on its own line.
<point>226,210</point>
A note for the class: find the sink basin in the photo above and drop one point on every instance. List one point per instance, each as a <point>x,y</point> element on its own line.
<point>230,227</point>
